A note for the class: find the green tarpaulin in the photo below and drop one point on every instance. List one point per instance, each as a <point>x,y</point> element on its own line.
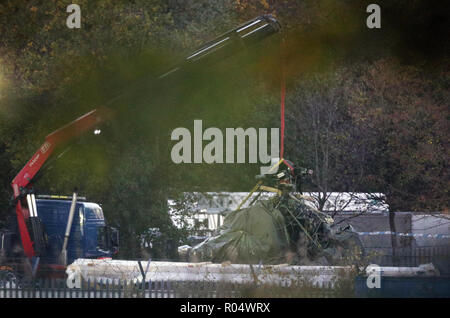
<point>250,235</point>
<point>279,231</point>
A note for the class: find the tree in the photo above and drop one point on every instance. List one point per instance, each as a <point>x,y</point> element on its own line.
<point>404,108</point>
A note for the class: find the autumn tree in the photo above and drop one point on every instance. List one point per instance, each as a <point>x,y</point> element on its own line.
<point>402,112</point>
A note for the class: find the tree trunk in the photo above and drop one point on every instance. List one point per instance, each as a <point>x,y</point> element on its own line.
<point>393,238</point>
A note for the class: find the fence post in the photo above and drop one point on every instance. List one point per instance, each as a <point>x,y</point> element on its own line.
<point>16,288</point>
<point>4,289</point>
<point>40,287</point>
<point>170,289</point>
<point>150,285</point>
<point>58,290</point>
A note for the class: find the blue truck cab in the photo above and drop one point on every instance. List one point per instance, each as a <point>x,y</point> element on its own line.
<point>90,237</point>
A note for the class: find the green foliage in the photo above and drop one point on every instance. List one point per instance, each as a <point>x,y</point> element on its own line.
<point>402,112</point>
<point>387,95</point>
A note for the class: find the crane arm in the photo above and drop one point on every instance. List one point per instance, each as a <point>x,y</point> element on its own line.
<point>24,179</point>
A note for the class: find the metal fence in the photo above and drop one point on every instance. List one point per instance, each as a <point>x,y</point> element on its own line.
<point>391,287</point>
<point>58,289</point>
<point>11,287</point>
<point>411,256</point>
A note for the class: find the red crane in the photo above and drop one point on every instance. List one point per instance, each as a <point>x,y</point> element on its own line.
<point>23,182</point>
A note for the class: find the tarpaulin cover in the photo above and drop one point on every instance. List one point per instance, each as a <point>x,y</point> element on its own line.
<point>251,235</point>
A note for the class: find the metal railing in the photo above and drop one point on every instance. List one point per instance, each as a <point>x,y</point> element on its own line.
<point>52,288</point>
<point>411,256</point>
<point>12,287</point>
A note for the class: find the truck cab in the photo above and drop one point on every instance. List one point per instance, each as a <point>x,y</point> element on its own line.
<point>90,237</point>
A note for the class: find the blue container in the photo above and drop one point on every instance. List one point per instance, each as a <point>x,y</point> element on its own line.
<point>405,287</point>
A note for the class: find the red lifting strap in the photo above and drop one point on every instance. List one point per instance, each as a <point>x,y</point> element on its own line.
<point>283,97</point>
<point>282,104</point>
